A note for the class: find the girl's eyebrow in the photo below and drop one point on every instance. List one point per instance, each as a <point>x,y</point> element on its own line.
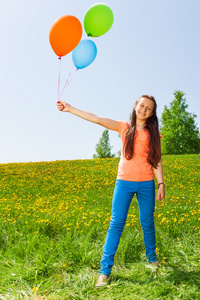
<point>148,106</point>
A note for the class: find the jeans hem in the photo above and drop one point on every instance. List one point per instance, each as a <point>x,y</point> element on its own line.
<point>104,273</point>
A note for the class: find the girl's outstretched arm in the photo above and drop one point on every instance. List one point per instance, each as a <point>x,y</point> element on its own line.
<point>159,176</point>
<point>108,123</point>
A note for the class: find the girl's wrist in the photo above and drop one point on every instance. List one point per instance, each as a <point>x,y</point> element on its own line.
<point>66,104</point>
<point>161,183</point>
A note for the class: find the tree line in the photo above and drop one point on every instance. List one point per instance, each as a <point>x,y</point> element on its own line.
<point>178,128</point>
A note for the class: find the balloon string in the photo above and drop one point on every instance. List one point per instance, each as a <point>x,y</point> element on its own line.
<point>68,82</point>
<point>70,74</point>
<point>59,77</point>
<point>80,50</point>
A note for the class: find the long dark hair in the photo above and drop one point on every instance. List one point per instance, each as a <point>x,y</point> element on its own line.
<point>154,154</point>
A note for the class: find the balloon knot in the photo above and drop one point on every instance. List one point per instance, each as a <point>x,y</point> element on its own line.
<point>59,57</point>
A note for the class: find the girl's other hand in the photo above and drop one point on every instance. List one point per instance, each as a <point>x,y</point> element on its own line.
<point>62,106</point>
<point>160,193</point>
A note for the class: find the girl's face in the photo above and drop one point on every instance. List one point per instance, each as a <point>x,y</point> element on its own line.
<point>144,108</point>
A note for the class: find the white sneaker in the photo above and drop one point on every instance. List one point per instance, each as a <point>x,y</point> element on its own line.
<point>102,281</point>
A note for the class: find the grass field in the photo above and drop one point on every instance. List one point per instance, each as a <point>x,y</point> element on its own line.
<point>54,217</point>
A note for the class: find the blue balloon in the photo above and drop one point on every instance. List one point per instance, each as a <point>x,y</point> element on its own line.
<point>84,54</point>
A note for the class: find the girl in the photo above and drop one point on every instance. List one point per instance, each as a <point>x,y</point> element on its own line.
<point>140,160</point>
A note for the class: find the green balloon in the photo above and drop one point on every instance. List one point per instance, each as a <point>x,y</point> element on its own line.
<point>98,20</point>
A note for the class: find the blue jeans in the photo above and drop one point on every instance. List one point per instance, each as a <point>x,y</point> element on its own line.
<point>122,197</point>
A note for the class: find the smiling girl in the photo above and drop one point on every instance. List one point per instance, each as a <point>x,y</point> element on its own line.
<point>140,161</point>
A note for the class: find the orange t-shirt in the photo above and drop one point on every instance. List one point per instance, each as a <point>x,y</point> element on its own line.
<point>137,168</point>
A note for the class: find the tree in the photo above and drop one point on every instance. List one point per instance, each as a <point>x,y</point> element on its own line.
<point>179,131</point>
<point>103,147</point>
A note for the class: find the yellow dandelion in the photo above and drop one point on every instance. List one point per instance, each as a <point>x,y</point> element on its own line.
<point>35,289</point>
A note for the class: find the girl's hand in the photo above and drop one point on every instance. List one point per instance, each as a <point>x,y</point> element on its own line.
<point>62,106</point>
<point>160,193</point>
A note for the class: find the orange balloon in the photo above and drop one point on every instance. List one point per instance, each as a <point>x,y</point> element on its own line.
<point>65,34</point>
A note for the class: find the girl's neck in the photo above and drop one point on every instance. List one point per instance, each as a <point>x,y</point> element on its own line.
<point>140,125</point>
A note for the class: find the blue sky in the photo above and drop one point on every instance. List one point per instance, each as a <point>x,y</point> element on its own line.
<point>152,48</point>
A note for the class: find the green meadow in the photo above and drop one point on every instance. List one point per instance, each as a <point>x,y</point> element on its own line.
<point>54,218</point>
